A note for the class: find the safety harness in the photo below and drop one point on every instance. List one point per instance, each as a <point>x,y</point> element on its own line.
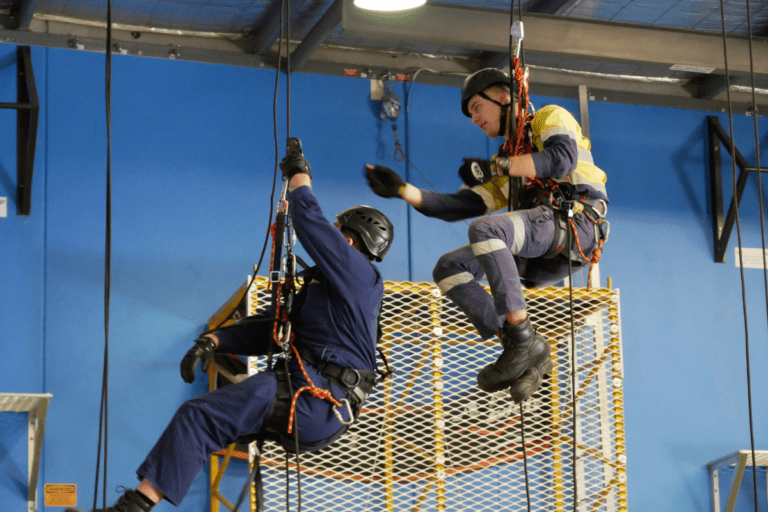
<point>567,207</point>
<point>355,384</point>
<point>526,193</point>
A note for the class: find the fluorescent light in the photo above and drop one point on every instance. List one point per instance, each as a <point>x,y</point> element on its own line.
<point>389,5</point>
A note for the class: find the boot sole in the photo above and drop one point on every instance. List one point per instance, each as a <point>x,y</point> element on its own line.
<point>522,390</point>
<point>491,387</point>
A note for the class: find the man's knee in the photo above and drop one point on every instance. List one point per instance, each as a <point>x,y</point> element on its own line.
<point>444,267</point>
<point>481,229</point>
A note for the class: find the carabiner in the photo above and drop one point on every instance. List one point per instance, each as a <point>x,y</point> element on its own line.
<point>349,409</point>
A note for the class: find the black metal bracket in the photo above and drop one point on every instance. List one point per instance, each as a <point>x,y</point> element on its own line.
<point>27,108</point>
<point>722,226</point>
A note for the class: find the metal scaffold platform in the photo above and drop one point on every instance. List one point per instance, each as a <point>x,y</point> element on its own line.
<point>429,439</point>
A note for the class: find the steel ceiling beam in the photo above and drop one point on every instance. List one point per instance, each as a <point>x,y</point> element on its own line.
<point>26,12</point>
<point>549,76</point>
<point>566,38</point>
<point>319,33</point>
<point>549,6</point>
<point>712,86</point>
<point>268,29</point>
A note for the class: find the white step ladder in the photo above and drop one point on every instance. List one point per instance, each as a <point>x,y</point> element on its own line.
<point>741,460</point>
<point>36,406</point>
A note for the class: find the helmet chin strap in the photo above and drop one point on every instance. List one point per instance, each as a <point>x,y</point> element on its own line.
<point>502,116</point>
<point>503,119</point>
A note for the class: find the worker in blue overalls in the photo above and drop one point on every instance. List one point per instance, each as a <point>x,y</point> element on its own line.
<point>335,322</point>
<point>521,247</point>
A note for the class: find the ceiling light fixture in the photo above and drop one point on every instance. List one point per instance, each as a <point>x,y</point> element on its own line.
<point>389,5</point>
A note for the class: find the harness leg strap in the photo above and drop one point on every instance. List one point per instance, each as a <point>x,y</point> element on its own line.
<point>559,240</point>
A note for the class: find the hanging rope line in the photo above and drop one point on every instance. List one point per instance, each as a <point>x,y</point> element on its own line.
<point>757,152</point>
<point>738,223</point>
<point>281,235</point>
<point>104,406</point>
<point>289,255</point>
<point>525,458</point>
<point>514,64</point>
<point>573,364</point>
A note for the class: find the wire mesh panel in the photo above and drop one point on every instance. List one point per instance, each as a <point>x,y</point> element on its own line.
<point>429,439</point>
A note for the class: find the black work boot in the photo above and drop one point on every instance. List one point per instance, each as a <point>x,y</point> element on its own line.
<point>522,389</point>
<point>131,501</point>
<point>524,348</point>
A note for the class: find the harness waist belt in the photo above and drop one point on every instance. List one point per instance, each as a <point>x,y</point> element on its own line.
<point>358,383</point>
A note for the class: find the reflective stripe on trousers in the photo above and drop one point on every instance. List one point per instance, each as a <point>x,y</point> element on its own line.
<point>494,241</point>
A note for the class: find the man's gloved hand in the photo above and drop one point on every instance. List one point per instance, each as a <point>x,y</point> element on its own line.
<point>294,163</point>
<point>475,171</point>
<point>384,181</point>
<point>201,352</point>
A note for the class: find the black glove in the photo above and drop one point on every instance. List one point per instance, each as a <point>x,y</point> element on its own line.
<point>475,171</point>
<point>294,163</point>
<point>384,181</point>
<point>201,352</point>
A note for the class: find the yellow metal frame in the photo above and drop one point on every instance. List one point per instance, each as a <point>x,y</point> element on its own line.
<point>217,469</point>
<point>429,296</point>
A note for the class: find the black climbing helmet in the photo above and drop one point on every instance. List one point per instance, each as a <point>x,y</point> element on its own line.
<point>479,81</point>
<point>374,228</point>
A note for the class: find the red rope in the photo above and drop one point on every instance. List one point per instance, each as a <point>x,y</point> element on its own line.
<point>522,144</point>
<point>316,392</point>
<point>597,252</point>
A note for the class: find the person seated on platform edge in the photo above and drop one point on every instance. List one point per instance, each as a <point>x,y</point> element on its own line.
<point>335,322</point>
<point>511,249</point>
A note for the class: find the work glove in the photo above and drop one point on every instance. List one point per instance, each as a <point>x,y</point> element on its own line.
<point>294,163</point>
<point>475,171</point>
<point>201,352</point>
<point>384,181</point>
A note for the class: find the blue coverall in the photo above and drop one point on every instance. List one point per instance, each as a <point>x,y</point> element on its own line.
<point>338,322</point>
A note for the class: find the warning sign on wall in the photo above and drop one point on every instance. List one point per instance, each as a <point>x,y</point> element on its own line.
<point>60,495</point>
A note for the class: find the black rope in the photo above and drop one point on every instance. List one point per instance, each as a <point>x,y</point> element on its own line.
<point>285,15</point>
<point>512,122</point>
<point>287,5</point>
<point>525,457</point>
<point>511,118</point>
<point>757,153</point>
<point>573,364</point>
<point>104,406</point>
<point>738,228</point>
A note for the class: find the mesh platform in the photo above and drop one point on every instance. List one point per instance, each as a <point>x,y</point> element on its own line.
<point>429,439</point>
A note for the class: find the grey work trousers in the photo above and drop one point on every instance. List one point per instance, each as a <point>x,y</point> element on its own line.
<point>498,245</point>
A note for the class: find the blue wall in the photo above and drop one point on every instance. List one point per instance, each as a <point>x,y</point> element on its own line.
<point>193,160</point>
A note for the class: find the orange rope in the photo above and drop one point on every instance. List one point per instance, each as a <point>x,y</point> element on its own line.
<point>278,321</point>
<point>597,252</point>
<point>313,390</point>
<point>522,145</point>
